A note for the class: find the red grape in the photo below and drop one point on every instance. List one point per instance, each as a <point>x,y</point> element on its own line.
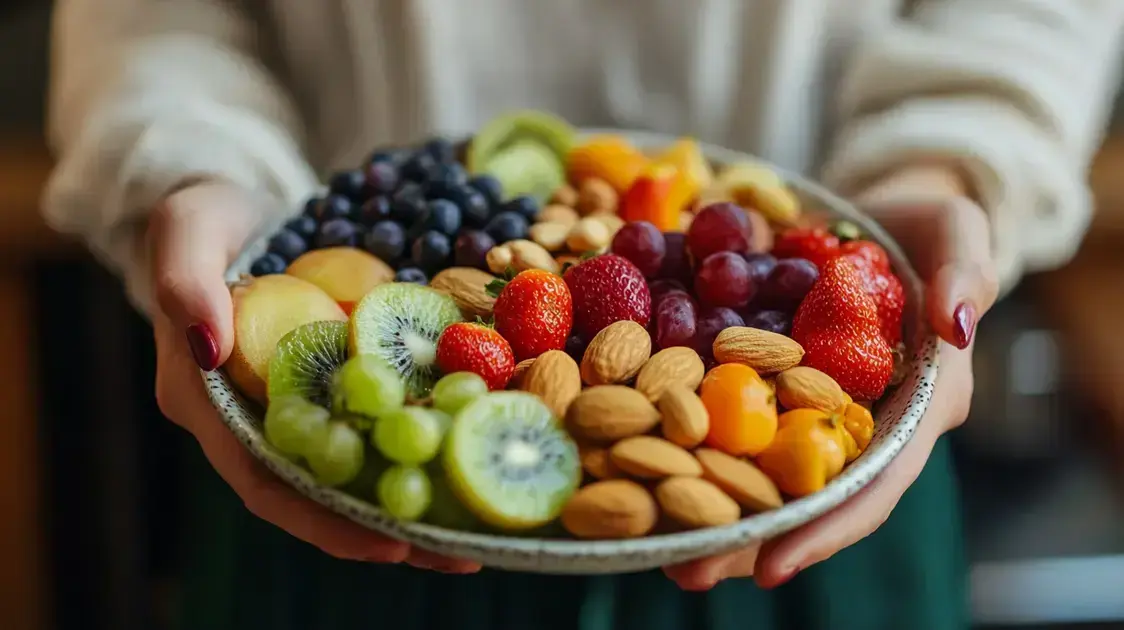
<point>772,321</point>
<point>720,227</point>
<point>711,322</point>
<point>676,321</point>
<point>724,280</point>
<point>676,263</point>
<point>575,347</point>
<point>659,288</point>
<point>643,245</point>
<point>760,266</point>
<point>788,283</point>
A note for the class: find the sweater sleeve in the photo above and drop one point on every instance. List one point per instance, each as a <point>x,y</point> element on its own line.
<point>145,95</point>
<point>1017,91</point>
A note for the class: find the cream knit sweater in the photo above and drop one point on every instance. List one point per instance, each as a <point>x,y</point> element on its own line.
<point>271,93</point>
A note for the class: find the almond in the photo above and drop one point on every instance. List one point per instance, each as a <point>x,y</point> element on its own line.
<point>649,457</point>
<point>764,351</point>
<point>610,509</point>
<point>467,287</point>
<point>597,462</point>
<point>679,365</point>
<point>805,387</point>
<point>519,373</point>
<point>597,195</point>
<point>554,377</point>
<point>616,354</point>
<point>740,479</point>
<point>565,195</point>
<point>611,412</point>
<point>611,221</point>
<point>555,213</point>
<point>685,419</point>
<point>696,503</point>
<point>588,235</point>
<point>551,235</point>
<point>531,255</point>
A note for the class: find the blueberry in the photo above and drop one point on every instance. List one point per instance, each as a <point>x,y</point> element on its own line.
<point>524,205</point>
<point>312,206</point>
<point>408,204</point>
<point>349,184</point>
<point>334,207</point>
<point>337,233</point>
<point>450,175</point>
<point>382,178</point>
<point>488,186</point>
<point>304,225</point>
<point>287,244</point>
<point>390,157</point>
<point>471,249</point>
<point>507,226</point>
<point>387,240</point>
<point>431,251</point>
<point>442,150</point>
<point>418,167</point>
<point>374,210</point>
<point>268,264</point>
<point>444,216</point>
<point>411,274</point>
<point>474,207</point>
<point>772,321</point>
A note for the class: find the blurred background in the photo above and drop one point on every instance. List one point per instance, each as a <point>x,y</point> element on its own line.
<point>89,471</point>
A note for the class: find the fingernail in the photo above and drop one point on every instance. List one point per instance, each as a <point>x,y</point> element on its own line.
<point>964,324</point>
<point>204,346</point>
<point>787,578</point>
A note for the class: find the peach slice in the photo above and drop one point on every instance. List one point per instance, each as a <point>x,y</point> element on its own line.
<point>345,273</point>
<point>265,310</point>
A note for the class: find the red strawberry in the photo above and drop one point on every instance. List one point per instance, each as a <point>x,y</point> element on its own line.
<point>469,347</point>
<point>867,251</point>
<point>607,289</point>
<point>534,312</point>
<point>873,264</point>
<point>837,324</point>
<point>815,244</point>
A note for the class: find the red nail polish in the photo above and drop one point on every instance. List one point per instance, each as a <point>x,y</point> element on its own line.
<point>964,324</point>
<point>204,346</point>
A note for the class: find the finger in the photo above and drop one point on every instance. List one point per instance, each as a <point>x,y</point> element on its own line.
<point>705,573</point>
<point>964,285</point>
<point>422,559</point>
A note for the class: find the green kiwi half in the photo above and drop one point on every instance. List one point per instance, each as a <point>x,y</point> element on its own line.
<point>305,361</point>
<point>525,150</point>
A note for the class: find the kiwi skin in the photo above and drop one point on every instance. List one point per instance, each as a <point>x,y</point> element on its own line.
<point>292,371</point>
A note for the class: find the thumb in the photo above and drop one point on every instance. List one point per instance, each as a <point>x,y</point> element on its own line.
<point>194,235</point>
<point>963,285</point>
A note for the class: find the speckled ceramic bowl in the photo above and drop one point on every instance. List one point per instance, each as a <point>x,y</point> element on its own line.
<point>896,417</point>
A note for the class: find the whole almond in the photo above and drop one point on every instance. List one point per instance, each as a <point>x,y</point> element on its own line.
<point>610,412</point>
<point>519,373</point>
<point>554,377</point>
<point>531,255</point>
<point>597,195</point>
<point>616,354</point>
<point>467,287</point>
<point>740,479</point>
<point>500,258</point>
<point>555,213</point>
<point>617,508</point>
<point>588,235</point>
<point>764,351</point>
<point>685,420</point>
<point>649,457</point>
<point>677,364</point>
<point>565,195</point>
<point>597,462</point>
<point>804,387</point>
<point>696,502</point>
<point>610,220</point>
<point>551,235</point>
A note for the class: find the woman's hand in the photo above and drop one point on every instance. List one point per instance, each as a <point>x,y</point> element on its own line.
<point>194,235</point>
<point>947,238</point>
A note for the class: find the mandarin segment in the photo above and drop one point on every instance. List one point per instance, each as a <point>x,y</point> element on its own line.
<point>742,410</point>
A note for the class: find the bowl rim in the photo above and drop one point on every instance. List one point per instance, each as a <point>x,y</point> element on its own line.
<point>759,526</point>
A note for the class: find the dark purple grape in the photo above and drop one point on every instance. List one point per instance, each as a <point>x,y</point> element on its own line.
<point>720,227</point>
<point>304,225</point>
<point>418,167</point>
<point>471,249</point>
<point>490,187</point>
<point>442,150</point>
<point>507,226</point>
<point>788,283</point>
<point>676,321</point>
<point>348,184</point>
<point>661,288</point>
<point>773,321</point>
<point>268,264</point>
<point>475,210</point>
<point>387,240</point>
<point>312,207</point>
<point>711,322</point>
<point>723,280</point>
<point>676,262</point>
<point>443,216</point>
<point>411,274</point>
<point>288,244</point>
<point>523,205</point>
<point>382,178</point>
<point>334,207</point>
<point>431,251</point>
<point>760,266</point>
<point>408,204</point>
<point>374,210</point>
<point>643,245</point>
<point>337,233</point>
<point>575,347</point>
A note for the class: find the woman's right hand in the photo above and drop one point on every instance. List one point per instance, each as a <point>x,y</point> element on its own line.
<point>194,235</point>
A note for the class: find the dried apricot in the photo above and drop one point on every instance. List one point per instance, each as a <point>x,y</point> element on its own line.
<point>742,409</point>
<point>810,449</point>
<point>608,157</point>
<point>859,429</point>
<point>659,196</point>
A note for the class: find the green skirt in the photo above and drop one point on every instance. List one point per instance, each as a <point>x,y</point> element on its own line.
<point>246,574</point>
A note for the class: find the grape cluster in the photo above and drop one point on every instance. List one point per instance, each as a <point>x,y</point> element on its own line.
<point>417,209</point>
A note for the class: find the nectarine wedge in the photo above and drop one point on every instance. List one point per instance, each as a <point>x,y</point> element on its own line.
<point>345,273</point>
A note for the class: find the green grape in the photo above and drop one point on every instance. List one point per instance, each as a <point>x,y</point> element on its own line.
<point>368,386</point>
<point>457,390</point>
<point>445,509</point>
<point>293,425</point>
<point>411,435</point>
<point>405,492</point>
<point>338,457</point>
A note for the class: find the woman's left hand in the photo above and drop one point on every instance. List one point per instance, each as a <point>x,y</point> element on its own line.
<point>947,238</point>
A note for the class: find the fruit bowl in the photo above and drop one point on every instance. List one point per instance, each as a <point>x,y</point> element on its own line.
<point>896,417</point>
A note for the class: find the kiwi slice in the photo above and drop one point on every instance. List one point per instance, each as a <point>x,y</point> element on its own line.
<point>306,359</point>
<point>525,150</point>
<point>510,462</point>
<point>400,322</point>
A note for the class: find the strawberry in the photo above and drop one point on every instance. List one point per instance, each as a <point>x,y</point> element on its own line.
<point>815,244</point>
<point>837,324</point>
<point>607,289</point>
<point>873,264</point>
<point>534,312</point>
<point>478,348</point>
<point>868,252</point>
